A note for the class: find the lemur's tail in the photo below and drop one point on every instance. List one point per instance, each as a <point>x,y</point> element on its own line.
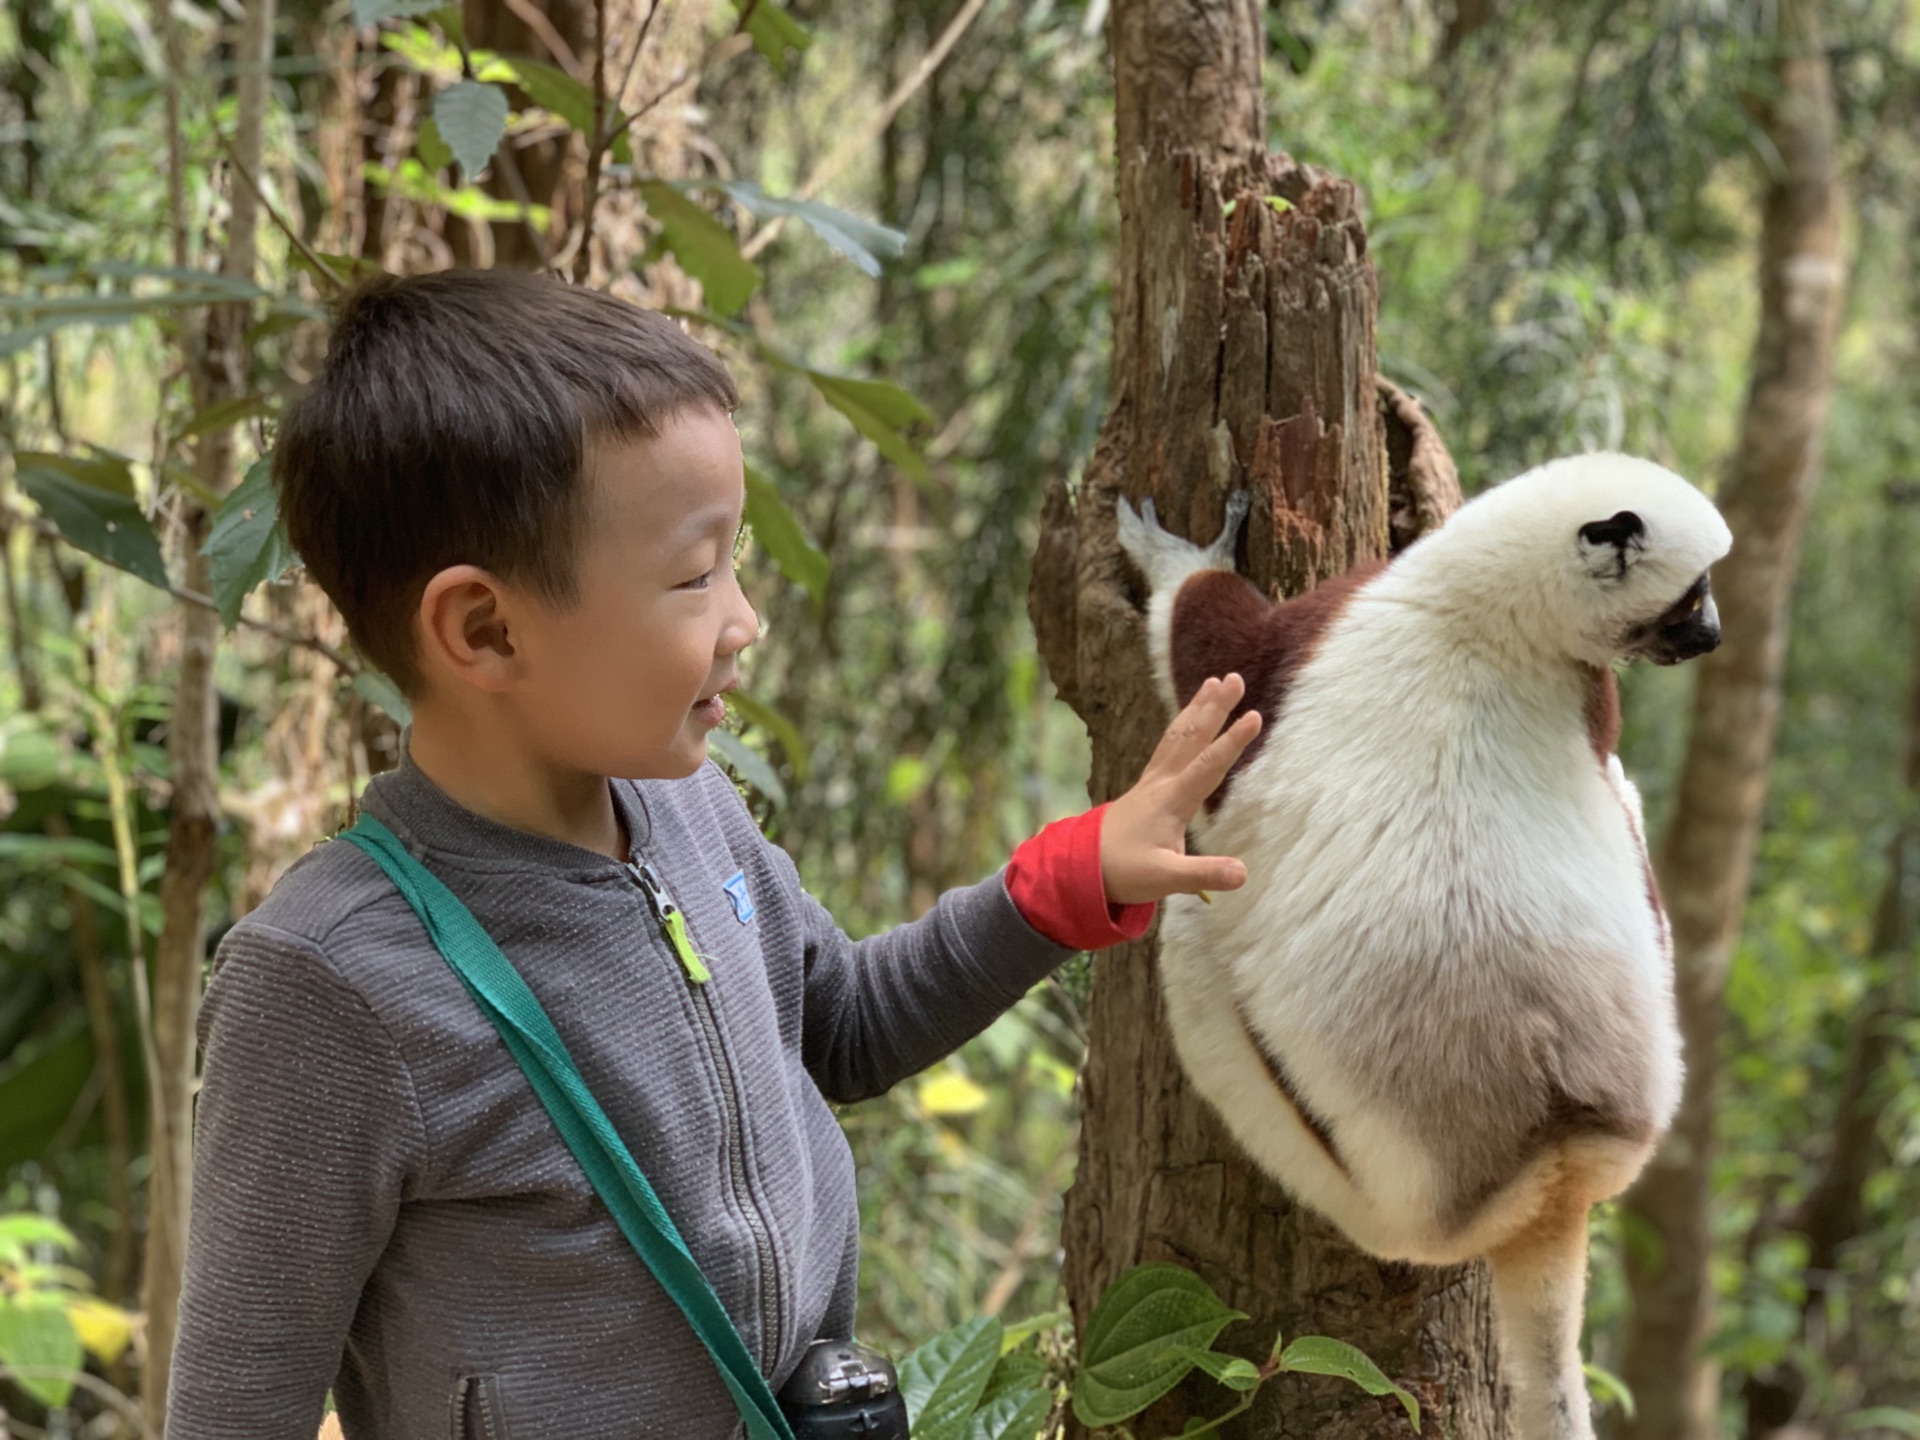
<point>1167,560</point>
<point>1539,1295</point>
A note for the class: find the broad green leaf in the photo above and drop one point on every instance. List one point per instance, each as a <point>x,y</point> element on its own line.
<point>704,247</point>
<point>1134,1351</point>
<point>224,413</point>
<point>865,242</point>
<point>774,31</point>
<point>109,307</point>
<point>1018,1372</point>
<point>39,1344</point>
<point>107,472</point>
<point>551,88</point>
<point>950,1371</point>
<point>948,1092</point>
<point>372,12</point>
<point>107,526</point>
<point>378,689</point>
<point>23,847</point>
<point>1230,1370</point>
<point>246,544</point>
<point>778,533</point>
<point>749,764</point>
<point>758,712</point>
<point>472,117</point>
<point>431,148</point>
<point>25,1228</point>
<point>1014,1415</point>
<point>1609,1389</point>
<point>1318,1355</point>
<point>850,399</point>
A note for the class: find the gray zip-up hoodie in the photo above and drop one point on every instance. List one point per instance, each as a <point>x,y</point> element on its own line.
<point>381,1205</point>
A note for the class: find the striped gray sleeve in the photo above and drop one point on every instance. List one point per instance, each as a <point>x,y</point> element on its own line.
<point>306,1132</point>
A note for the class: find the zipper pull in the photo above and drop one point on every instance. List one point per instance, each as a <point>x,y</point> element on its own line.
<point>672,923</point>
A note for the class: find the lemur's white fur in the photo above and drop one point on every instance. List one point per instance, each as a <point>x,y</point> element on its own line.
<point>1447,939</point>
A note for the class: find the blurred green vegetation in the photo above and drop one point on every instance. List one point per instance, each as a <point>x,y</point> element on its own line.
<point>1562,212</point>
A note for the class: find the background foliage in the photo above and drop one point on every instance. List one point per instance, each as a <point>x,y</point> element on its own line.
<point>1561,206</point>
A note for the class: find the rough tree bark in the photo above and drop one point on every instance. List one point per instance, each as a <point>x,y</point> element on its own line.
<point>1706,855</point>
<point>218,366</point>
<point>1243,356</point>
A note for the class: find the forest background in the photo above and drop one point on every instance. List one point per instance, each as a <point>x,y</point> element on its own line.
<point>1563,205</point>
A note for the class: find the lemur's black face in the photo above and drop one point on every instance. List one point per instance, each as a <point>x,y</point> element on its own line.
<point>1685,629</point>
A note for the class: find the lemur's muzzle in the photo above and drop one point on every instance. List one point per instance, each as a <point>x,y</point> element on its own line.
<point>1689,628</point>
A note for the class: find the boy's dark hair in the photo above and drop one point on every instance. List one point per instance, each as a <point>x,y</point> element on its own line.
<point>450,425</point>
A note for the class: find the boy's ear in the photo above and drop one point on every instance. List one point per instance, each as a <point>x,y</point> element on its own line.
<point>465,628</point>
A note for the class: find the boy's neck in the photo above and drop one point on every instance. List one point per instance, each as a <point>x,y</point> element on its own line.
<point>481,768</point>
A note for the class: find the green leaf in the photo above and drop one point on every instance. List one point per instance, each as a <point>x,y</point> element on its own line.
<point>779,534</point>
<point>704,247</point>
<point>1609,1389</point>
<point>17,1231</point>
<point>106,525</point>
<point>865,242</point>
<point>1318,1355</point>
<point>38,1341</point>
<point>109,472</point>
<point>551,88</point>
<point>351,269</point>
<point>1017,1373</point>
<point>246,544</point>
<point>413,182</point>
<point>1230,1370</point>
<point>773,31</point>
<point>372,12</point>
<point>1137,1338</point>
<point>852,399</point>
<point>759,713</point>
<point>29,849</point>
<point>224,413</point>
<point>748,764</point>
<point>1012,1415</point>
<point>431,147</point>
<point>378,689</point>
<point>942,1380</point>
<point>472,117</point>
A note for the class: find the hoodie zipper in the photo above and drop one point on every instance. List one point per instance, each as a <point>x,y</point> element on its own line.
<point>673,928</point>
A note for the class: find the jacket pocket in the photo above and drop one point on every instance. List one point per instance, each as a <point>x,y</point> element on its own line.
<point>477,1411</point>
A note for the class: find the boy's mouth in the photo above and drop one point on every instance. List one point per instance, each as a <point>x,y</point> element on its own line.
<point>713,709</point>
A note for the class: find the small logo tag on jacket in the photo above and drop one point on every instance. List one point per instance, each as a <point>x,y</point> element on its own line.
<point>736,889</point>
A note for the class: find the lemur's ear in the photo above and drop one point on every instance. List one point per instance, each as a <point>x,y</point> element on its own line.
<point>1622,528</point>
<point>1612,546</point>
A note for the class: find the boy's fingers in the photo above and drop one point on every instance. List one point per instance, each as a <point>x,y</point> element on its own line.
<point>1194,727</point>
<point>1206,770</point>
<point>1196,873</point>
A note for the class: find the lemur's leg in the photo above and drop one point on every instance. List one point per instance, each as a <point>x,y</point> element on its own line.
<point>1539,1296</point>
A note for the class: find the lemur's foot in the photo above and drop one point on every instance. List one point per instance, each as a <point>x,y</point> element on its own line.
<point>1239,504</point>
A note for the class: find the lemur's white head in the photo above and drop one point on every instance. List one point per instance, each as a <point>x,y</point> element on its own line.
<point>1600,557</point>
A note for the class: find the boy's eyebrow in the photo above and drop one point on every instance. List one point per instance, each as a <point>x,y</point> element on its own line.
<point>711,517</point>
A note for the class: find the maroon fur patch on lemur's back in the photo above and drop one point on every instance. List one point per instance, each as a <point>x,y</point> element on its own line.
<point>1222,624</point>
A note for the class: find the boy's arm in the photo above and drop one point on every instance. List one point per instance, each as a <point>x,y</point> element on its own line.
<point>306,1128</point>
<point>882,1008</point>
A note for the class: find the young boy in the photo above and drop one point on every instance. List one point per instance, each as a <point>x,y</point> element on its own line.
<point>523,497</point>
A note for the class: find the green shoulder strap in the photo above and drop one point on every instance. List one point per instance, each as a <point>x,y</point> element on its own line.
<point>530,1037</point>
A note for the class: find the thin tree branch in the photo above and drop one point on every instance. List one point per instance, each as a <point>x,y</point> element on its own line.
<point>555,42</point>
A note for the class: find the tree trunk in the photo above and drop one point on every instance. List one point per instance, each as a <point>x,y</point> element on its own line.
<point>1243,357</point>
<point>1706,857</point>
<point>219,372</point>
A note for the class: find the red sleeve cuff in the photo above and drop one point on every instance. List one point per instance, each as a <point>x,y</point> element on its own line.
<point>1056,884</point>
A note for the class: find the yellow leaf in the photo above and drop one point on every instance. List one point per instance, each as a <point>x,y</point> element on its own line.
<point>104,1329</point>
<point>951,1093</point>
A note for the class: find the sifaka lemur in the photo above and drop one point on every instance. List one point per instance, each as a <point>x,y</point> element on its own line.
<point>1441,1009</point>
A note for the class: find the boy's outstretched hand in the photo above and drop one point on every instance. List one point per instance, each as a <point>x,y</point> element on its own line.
<point>1143,836</point>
